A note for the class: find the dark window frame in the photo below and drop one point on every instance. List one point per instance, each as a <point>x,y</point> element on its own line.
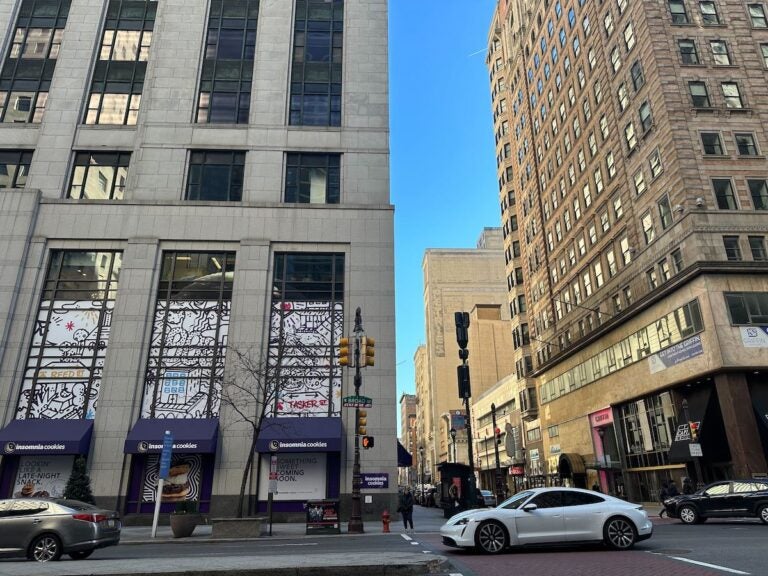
<point>297,163</point>
<point>21,160</point>
<point>234,161</point>
<point>86,160</point>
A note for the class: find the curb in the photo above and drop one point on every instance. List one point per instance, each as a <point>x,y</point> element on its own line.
<point>209,540</point>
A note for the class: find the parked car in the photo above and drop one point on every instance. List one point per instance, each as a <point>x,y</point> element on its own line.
<point>43,529</point>
<point>549,516</point>
<point>489,498</point>
<point>725,499</point>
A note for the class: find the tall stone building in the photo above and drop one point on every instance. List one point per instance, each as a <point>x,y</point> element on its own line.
<point>459,280</point>
<point>181,180</point>
<point>633,189</point>
<point>408,436</point>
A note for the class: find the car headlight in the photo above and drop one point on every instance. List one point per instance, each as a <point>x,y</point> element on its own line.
<point>462,522</point>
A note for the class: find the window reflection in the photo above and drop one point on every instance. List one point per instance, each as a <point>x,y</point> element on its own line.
<point>99,176</point>
<point>14,167</point>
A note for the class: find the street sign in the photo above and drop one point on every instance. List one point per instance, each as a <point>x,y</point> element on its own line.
<point>165,455</point>
<point>695,449</point>
<point>356,402</point>
<point>273,474</point>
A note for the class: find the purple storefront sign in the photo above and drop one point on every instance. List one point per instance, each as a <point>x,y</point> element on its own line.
<point>676,354</point>
<point>374,480</point>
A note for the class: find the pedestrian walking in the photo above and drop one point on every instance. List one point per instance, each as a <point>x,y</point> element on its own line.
<point>405,507</point>
<point>663,495</point>
<point>673,491</point>
<point>688,486</point>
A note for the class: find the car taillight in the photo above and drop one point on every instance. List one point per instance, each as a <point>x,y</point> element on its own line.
<point>90,517</point>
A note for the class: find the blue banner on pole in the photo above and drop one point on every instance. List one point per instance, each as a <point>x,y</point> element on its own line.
<point>165,456</point>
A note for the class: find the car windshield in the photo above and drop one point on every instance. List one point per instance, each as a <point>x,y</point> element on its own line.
<point>517,500</point>
<point>76,505</point>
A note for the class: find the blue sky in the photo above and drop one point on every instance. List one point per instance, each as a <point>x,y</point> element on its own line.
<point>443,173</point>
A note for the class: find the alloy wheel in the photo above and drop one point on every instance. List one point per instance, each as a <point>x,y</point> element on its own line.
<point>620,534</point>
<point>764,514</point>
<point>491,538</point>
<point>688,515</point>
<point>46,548</point>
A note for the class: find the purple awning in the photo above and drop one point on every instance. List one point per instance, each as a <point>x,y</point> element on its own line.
<point>321,434</point>
<point>45,436</point>
<point>190,435</point>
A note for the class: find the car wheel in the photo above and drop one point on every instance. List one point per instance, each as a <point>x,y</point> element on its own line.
<point>80,555</point>
<point>763,513</point>
<point>491,537</point>
<point>619,533</point>
<point>45,548</point>
<point>688,515</point>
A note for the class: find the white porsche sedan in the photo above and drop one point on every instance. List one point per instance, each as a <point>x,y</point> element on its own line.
<point>544,516</point>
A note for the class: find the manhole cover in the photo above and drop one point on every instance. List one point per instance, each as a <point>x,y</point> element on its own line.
<point>671,551</point>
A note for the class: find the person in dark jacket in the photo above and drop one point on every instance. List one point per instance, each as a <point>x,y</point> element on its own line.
<point>673,491</point>
<point>405,507</point>
<point>688,486</point>
<point>663,495</point>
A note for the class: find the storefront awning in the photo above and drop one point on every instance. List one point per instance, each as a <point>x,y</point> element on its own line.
<point>45,436</point>
<point>404,458</point>
<point>190,435</point>
<point>293,434</point>
<point>570,465</point>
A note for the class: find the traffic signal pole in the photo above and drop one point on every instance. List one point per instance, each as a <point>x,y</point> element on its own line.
<point>355,525</point>
<point>465,392</point>
<point>496,440</point>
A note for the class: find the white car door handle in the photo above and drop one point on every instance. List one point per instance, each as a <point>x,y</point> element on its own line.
<point>36,521</point>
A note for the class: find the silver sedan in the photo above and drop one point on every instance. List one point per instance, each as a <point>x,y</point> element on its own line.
<point>549,516</point>
<point>43,530</point>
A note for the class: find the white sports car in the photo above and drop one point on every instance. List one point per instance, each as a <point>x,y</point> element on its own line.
<point>549,516</point>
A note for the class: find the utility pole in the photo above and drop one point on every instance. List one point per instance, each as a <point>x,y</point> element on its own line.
<point>465,391</point>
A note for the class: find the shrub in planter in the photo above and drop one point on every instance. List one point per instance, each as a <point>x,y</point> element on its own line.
<point>185,518</point>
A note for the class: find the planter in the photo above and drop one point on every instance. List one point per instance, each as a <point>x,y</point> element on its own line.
<point>238,527</point>
<point>182,525</point>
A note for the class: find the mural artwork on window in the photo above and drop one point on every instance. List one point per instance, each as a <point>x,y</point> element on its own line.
<point>307,320</point>
<point>183,481</point>
<point>71,332</point>
<point>189,336</point>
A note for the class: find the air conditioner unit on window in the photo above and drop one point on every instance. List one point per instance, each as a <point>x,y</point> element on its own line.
<point>22,104</point>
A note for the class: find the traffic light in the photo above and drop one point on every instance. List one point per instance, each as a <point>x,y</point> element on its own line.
<point>362,422</point>
<point>461,319</point>
<point>366,351</point>
<point>344,352</point>
<point>498,435</point>
<point>462,371</point>
<point>367,442</point>
<point>694,426</point>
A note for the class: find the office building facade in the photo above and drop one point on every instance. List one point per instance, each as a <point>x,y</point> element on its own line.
<point>630,139</point>
<point>183,184</point>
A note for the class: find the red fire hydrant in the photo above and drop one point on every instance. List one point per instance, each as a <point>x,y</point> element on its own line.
<point>385,521</point>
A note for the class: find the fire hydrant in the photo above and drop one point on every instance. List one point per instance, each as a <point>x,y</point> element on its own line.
<point>385,521</point>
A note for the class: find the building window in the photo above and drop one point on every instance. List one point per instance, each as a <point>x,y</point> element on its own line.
<point>677,11</point>
<point>688,54</point>
<point>747,307</point>
<point>623,97</point>
<point>709,14</point>
<point>99,175</point>
<point>626,251</point>
<point>629,37</point>
<point>72,327</point>
<point>712,144</point>
<point>726,199</point>
<point>610,163</point>
<point>699,94</point>
<point>639,182</point>
<point>615,59</point>
<point>608,23</point>
<point>649,233</point>
<point>313,178</point>
<point>28,69</point>
<point>630,137</point>
<point>757,247</point>
<point>646,118</point>
<point>731,95</point>
<point>720,54</point>
<point>14,168</point>
<point>185,369</point>
<point>216,175</point>
<point>745,143</point>
<point>677,260</point>
<point>732,250</point>
<point>118,77</point>
<point>225,81</point>
<point>757,15</point>
<point>622,5</point>
<point>316,72</point>
<point>654,161</point>
<point>758,189</point>
<point>764,52</point>
<point>610,258</point>
<point>664,270</point>
<point>665,212</point>
<point>653,279</point>
<point>638,79</point>
<point>604,126</point>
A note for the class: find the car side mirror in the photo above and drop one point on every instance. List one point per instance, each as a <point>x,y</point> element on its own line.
<point>530,507</point>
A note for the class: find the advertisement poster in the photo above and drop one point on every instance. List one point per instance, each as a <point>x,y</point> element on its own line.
<point>299,476</point>
<point>183,482</point>
<point>42,476</point>
<point>323,517</point>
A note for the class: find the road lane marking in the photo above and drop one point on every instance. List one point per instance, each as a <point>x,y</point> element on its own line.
<point>406,537</point>
<point>713,566</point>
<point>414,543</point>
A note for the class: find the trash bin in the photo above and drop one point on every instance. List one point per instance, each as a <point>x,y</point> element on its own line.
<point>323,517</point>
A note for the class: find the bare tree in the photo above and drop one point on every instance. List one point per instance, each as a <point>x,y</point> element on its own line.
<point>250,390</point>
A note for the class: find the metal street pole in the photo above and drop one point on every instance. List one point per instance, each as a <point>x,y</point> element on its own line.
<point>461,320</point>
<point>421,463</point>
<point>355,525</point>
<point>453,441</point>
<point>496,434</point>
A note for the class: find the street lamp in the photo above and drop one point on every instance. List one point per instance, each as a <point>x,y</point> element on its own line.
<point>421,463</point>
<point>453,440</point>
<point>496,440</point>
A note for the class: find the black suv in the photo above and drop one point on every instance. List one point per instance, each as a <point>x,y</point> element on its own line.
<point>724,499</point>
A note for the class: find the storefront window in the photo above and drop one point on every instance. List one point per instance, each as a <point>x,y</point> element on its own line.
<point>306,324</point>
<point>647,426</point>
<point>189,336</point>
<point>69,341</point>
